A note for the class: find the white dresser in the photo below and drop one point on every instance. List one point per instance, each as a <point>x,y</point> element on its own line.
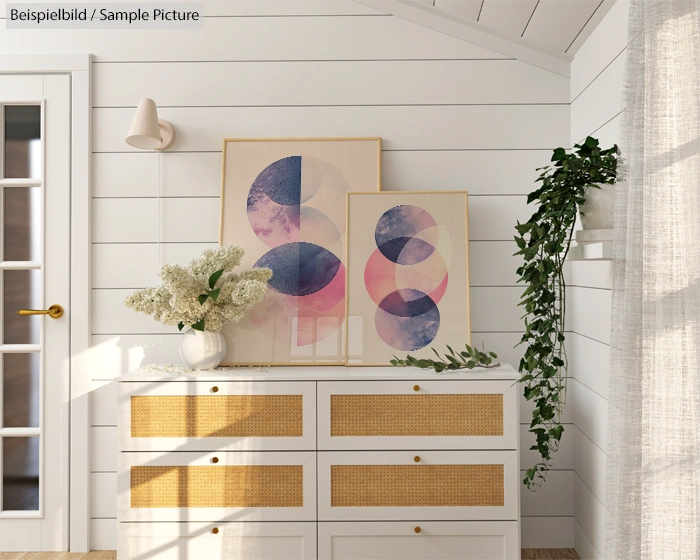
<point>325,462</point>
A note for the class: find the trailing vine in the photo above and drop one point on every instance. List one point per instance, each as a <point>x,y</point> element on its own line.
<point>544,242</point>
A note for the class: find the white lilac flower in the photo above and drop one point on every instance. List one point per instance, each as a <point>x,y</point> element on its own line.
<point>176,300</point>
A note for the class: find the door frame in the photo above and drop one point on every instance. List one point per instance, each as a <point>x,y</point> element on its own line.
<point>79,67</point>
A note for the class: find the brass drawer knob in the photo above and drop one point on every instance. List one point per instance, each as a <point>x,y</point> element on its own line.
<point>215,531</point>
<point>214,389</point>
<point>416,387</point>
<point>417,529</point>
<point>416,459</point>
<point>214,460</point>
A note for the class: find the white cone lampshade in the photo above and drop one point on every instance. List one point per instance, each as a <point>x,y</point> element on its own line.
<point>147,132</point>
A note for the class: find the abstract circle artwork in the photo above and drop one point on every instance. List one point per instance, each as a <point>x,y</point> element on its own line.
<point>296,207</point>
<point>407,275</point>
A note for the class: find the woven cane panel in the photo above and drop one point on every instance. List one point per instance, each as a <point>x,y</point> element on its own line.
<point>217,487</point>
<point>416,485</point>
<point>217,416</point>
<point>417,415</point>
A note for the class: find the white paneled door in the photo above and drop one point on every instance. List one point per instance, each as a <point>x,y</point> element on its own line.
<point>35,155</point>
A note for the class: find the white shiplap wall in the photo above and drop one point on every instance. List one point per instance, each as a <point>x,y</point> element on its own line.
<point>596,92</point>
<point>452,115</point>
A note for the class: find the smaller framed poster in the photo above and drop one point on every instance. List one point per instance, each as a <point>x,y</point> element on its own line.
<point>408,275</point>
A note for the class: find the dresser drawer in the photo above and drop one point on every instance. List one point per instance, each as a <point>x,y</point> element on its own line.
<point>209,416</point>
<point>480,540</point>
<point>217,541</point>
<point>417,415</point>
<point>420,485</point>
<point>264,486</point>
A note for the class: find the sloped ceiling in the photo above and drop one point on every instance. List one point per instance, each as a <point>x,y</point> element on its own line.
<point>556,24</point>
<point>545,33</point>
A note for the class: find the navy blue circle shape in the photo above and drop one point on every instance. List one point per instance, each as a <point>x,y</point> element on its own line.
<point>281,181</point>
<point>299,268</point>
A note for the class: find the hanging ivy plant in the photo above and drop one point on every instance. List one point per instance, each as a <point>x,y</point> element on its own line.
<point>543,242</point>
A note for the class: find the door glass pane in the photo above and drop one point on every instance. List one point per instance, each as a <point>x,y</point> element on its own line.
<point>22,141</point>
<point>21,290</point>
<point>20,390</point>
<point>20,473</point>
<point>22,208</point>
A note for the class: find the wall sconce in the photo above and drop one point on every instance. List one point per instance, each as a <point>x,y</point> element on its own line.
<point>147,131</point>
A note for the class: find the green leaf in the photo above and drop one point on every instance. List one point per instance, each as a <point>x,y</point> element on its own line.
<point>214,294</point>
<point>199,325</point>
<point>202,299</point>
<point>214,278</point>
<point>493,354</point>
<point>180,326</point>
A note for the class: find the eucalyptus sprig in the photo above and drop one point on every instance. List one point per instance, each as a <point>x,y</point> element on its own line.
<point>466,359</point>
<point>543,242</point>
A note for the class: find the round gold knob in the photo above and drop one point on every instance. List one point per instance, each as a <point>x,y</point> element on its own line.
<point>215,460</point>
<point>417,529</point>
<point>416,387</point>
<point>214,389</point>
<point>215,530</point>
<point>416,459</point>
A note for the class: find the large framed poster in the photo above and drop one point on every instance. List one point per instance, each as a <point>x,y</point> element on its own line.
<point>408,281</point>
<point>283,201</point>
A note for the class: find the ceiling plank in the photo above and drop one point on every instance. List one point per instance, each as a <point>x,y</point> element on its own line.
<point>473,32</point>
<point>556,24</point>
<point>510,16</point>
<point>467,9</point>
<point>592,24</point>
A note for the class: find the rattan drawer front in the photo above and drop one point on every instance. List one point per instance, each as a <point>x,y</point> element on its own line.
<point>217,416</point>
<point>233,486</point>
<point>240,486</point>
<point>416,485</point>
<point>417,415</point>
<point>421,414</point>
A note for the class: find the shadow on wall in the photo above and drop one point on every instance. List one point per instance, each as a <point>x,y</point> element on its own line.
<point>119,354</point>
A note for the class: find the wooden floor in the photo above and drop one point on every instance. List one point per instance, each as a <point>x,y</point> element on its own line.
<point>528,554</point>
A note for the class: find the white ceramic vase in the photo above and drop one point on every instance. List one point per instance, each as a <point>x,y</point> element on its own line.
<point>202,350</point>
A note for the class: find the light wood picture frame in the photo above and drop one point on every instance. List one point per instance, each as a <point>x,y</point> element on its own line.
<point>283,200</point>
<point>408,275</point>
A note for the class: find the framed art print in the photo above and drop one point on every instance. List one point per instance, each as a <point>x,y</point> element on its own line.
<point>408,275</point>
<point>283,201</point>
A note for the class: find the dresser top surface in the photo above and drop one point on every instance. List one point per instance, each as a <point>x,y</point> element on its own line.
<point>316,373</point>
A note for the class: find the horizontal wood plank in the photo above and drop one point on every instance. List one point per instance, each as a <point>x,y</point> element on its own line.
<point>590,413</point>
<point>254,39</point>
<point>113,355</point>
<point>103,447</point>
<point>606,42</point>
<point>496,309</point>
<point>555,498</point>
<point>148,174</point>
<point>271,8</point>
<point>590,464</point>
<point>590,312</point>
<point>480,172</point>
<point>589,361</point>
<point>441,82</point>
<point>590,514</point>
<point>547,532</point>
<point>401,127</point>
<point>103,502</point>
<point>599,103</point>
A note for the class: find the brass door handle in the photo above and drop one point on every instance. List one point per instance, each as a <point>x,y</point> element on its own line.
<point>55,311</point>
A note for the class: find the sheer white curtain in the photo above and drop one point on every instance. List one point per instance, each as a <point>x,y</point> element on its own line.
<point>653,480</point>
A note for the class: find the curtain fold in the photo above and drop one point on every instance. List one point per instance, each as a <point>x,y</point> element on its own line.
<point>653,448</point>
